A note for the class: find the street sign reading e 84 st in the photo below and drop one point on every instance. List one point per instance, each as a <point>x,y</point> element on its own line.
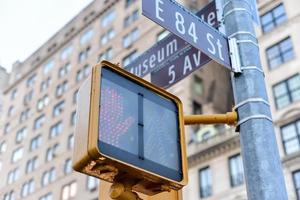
<point>127,128</point>
<point>189,27</point>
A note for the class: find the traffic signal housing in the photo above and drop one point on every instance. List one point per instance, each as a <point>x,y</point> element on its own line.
<point>129,129</point>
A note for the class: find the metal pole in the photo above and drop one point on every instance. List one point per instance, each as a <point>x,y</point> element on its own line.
<point>262,165</point>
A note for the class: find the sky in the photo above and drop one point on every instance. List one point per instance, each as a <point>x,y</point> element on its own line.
<point>25,25</point>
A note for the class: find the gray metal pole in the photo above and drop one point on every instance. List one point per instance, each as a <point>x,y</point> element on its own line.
<point>262,165</point>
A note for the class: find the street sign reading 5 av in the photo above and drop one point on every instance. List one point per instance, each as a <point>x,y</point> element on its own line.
<point>189,27</point>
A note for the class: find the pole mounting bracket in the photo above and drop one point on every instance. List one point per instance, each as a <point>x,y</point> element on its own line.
<point>234,55</point>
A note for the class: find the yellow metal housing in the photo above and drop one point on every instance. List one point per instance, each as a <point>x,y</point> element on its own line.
<point>88,159</point>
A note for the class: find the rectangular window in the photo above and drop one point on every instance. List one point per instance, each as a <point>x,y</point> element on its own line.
<point>35,142</point>
<point>131,18</point>
<point>38,122</point>
<point>55,130</point>
<point>236,170</point>
<point>92,183</point>
<point>287,91</point>
<point>51,152</point>
<point>21,135</point>
<point>61,89</point>
<point>129,58</point>
<point>17,154</point>
<point>48,176</point>
<point>296,177</point>
<point>69,191</point>
<point>130,38</point>
<point>273,18</point>
<point>86,37</point>
<point>73,118</point>
<point>129,2</point>
<point>31,80</point>
<point>205,182</point>
<point>66,52</point>
<point>198,85</point>
<point>58,109</point>
<point>280,53</point>
<point>47,196</point>
<point>31,165</point>
<point>84,54</point>
<point>108,18</point>
<point>48,66</point>
<point>290,134</point>
<point>71,141</point>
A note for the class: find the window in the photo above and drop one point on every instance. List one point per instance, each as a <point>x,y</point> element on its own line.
<point>287,91</point>
<point>236,170</point>
<point>273,18</point>
<point>58,109</point>
<point>198,85</point>
<point>131,18</point>
<point>21,134</point>
<point>68,166</point>
<point>69,191</point>
<point>48,66</point>
<point>28,97</point>
<point>129,58</point>
<point>55,130</point>
<point>129,2</point>
<point>61,88</point>
<point>27,188</point>
<point>107,55</point>
<point>86,37</point>
<point>17,154</point>
<point>75,96</point>
<point>9,196</point>
<point>280,53</point>
<point>197,108</point>
<point>6,128</point>
<point>47,196</point>
<point>31,165</point>
<point>107,36</point>
<point>66,52</point>
<point>51,152</point>
<point>92,183</point>
<point>43,102</point>
<point>64,70</point>
<point>45,84</point>
<point>79,75</point>
<point>86,70</point>
<point>291,137</point>
<point>71,141</point>
<point>83,55</point>
<point>38,122</point>
<point>48,176</point>
<point>3,147</point>
<point>24,115</point>
<point>296,177</point>
<point>205,182</point>
<point>31,80</point>
<point>35,142</point>
<point>13,94</point>
<point>162,35</point>
<point>108,18</point>
<point>73,118</point>
<point>13,176</point>
<point>131,37</point>
<point>11,111</point>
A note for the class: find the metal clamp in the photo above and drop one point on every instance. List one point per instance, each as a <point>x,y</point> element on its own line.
<point>242,32</point>
<point>248,41</point>
<point>251,100</point>
<point>253,117</point>
<point>252,68</point>
<point>234,55</point>
<point>237,9</point>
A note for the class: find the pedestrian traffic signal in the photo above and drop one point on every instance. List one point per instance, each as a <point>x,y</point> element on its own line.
<point>127,128</point>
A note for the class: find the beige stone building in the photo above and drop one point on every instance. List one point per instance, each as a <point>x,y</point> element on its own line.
<point>39,103</point>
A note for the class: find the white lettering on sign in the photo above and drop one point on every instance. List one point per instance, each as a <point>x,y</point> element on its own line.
<point>181,28</point>
<point>172,74</point>
<point>158,9</point>
<point>210,18</point>
<point>155,59</point>
<point>212,48</point>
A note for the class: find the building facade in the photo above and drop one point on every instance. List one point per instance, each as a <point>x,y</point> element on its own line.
<point>216,170</point>
<point>39,103</point>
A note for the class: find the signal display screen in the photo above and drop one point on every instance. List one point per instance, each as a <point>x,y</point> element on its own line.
<point>138,126</point>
